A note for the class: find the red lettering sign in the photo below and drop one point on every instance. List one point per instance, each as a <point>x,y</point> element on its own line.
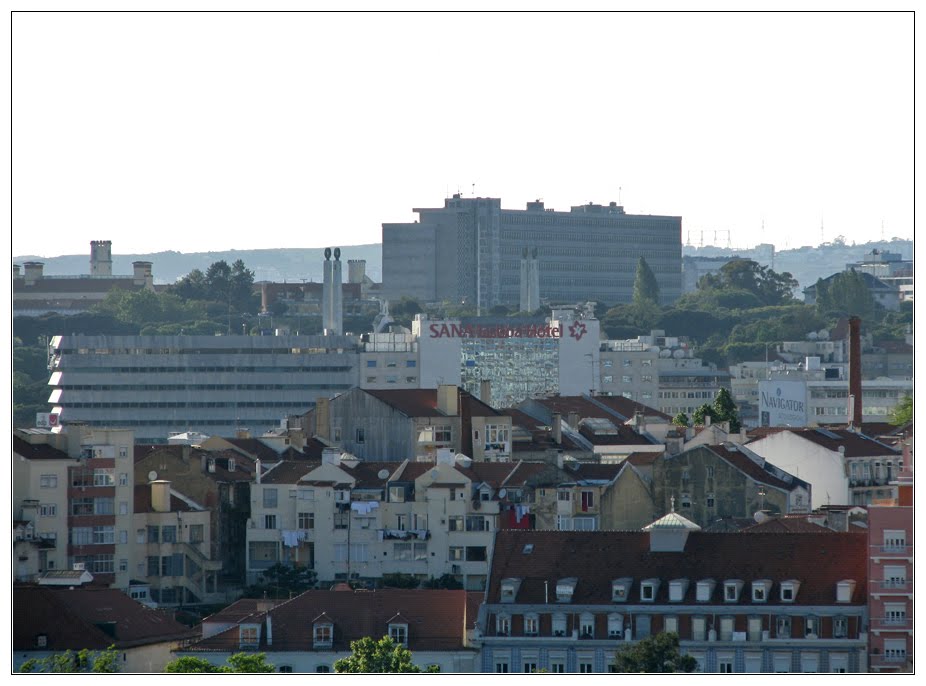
<point>495,331</point>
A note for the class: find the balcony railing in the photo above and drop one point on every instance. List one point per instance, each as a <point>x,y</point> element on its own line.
<point>896,549</point>
<point>896,585</point>
<point>891,623</point>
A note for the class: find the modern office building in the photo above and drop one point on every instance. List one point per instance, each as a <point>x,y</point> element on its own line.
<point>157,385</point>
<point>470,249</point>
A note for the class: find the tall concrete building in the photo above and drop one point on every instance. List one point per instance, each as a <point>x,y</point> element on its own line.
<point>469,251</point>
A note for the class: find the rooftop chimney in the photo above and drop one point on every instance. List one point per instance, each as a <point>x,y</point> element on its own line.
<point>448,400</point>
<point>557,428</point>
<point>160,495</point>
<point>855,373</point>
<point>32,271</point>
<point>142,275</point>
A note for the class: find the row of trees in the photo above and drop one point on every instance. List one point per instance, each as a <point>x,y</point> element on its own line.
<point>655,654</point>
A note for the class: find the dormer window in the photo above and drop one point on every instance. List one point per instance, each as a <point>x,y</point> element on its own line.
<point>789,590</point>
<point>565,589</point>
<point>677,590</point>
<point>648,590</point>
<point>397,494</point>
<point>41,641</point>
<point>399,634</point>
<point>704,590</point>
<point>248,635</point>
<point>731,590</point>
<point>509,589</point>
<point>620,589</point>
<point>615,626</point>
<point>323,635</point>
<point>502,625</point>
<point>760,590</point>
<point>844,591</point>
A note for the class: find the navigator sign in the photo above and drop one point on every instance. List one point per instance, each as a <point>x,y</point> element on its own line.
<point>495,331</point>
<point>782,403</point>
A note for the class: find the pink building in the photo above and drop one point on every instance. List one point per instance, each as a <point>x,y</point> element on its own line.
<point>890,576</point>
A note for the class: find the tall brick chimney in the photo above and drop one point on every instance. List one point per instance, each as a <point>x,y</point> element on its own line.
<point>855,373</point>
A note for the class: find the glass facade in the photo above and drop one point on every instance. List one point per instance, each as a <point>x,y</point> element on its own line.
<point>519,368</point>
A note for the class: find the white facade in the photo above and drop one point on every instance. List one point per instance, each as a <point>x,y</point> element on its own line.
<point>808,403</point>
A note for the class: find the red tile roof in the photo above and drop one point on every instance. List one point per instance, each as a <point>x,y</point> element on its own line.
<point>627,407</point>
<point>71,618</point>
<point>855,445</point>
<point>436,619</point>
<point>787,524</point>
<point>747,466</point>
<point>644,459</point>
<point>817,560</point>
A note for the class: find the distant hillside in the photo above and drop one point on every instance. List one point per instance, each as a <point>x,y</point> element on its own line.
<point>272,264</point>
<point>806,264</point>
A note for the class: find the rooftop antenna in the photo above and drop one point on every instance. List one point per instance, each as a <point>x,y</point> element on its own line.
<point>619,201</point>
<point>474,190</point>
<point>821,230</point>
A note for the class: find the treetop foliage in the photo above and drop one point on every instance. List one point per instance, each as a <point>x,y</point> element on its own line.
<point>378,657</point>
<point>656,654</point>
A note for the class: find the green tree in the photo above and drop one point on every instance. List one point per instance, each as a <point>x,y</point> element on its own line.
<point>239,663</point>
<point>95,661</point>
<point>706,410</point>
<point>903,411</point>
<point>846,293</point>
<point>400,580</point>
<point>725,410</point>
<point>654,654</point>
<point>681,419</point>
<point>766,285</point>
<point>378,657</point>
<point>645,286</point>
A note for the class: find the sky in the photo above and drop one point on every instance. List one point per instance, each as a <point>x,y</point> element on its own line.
<point>212,131</point>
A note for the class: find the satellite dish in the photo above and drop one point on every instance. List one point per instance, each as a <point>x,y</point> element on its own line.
<point>760,516</point>
<point>383,473</point>
<point>502,492</point>
<point>152,475</point>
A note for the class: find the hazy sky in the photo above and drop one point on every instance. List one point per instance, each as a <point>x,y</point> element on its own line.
<point>197,132</point>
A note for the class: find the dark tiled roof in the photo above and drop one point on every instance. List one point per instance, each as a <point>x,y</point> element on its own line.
<point>41,451</point>
<point>748,467</point>
<point>627,407</point>
<point>644,459</point>
<point>435,619</point>
<point>856,445</point>
<point>622,435</point>
<point>288,472</point>
<point>255,449</point>
<point>817,560</point>
<point>241,610</point>
<point>581,405</point>
<point>422,402</point>
<point>541,435</point>
<point>71,619</point>
<point>786,524</point>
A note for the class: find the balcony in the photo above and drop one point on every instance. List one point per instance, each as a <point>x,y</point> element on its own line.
<point>891,624</point>
<point>896,549</point>
<point>895,585</point>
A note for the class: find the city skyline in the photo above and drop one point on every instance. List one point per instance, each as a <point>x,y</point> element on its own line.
<point>305,130</point>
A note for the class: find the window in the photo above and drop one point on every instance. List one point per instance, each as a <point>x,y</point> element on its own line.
<point>153,532</point>
<point>895,576</point>
<point>894,540</point>
<point>558,665</point>
<point>337,434</point>
<point>698,628</point>
<point>81,535</point>
<point>48,481</point>
<point>616,626</point>
<point>531,625</point>
<point>286,669</point>
<point>123,507</point>
<point>559,624</point>
<point>726,629</point>
<point>476,554</point>
<point>563,523</point>
<point>588,500</point>
<point>455,523</point>
<point>840,627</point>
<point>530,666</point>
<point>361,435</point>
<point>710,500</point>
<point>725,664</point>
<point>270,521</point>
<point>564,496</point>
<point>502,625</point>
<point>781,663</point>
<point>305,520</point>
<point>270,498</point>
<point>670,624</point>
<point>397,494</point>
<point>811,627</point>
<point>103,535</point>
<point>401,522</point>
<point>501,664</point>
<point>196,533</point>
<point>476,523</point>
<point>371,363</point>
<point>247,635</point>
<point>585,665</point>
<point>322,669</point>
<point>895,613</point>
<point>322,635</point>
<point>399,633</point>
<point>169,534</point>
<point>341,520</point>
<point>411,363</point>
<point>586,625</point>
<point>420,551</point>
<point>456,553</point>
<point>731,591</point>
<point>103,477</point>
<point>584,523</point>
<point>788,591</point>
<point>48,510</point>
<point>754,628</point>
<point>647,592</point>
<point>402,551</point>
<point>783,626</point>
